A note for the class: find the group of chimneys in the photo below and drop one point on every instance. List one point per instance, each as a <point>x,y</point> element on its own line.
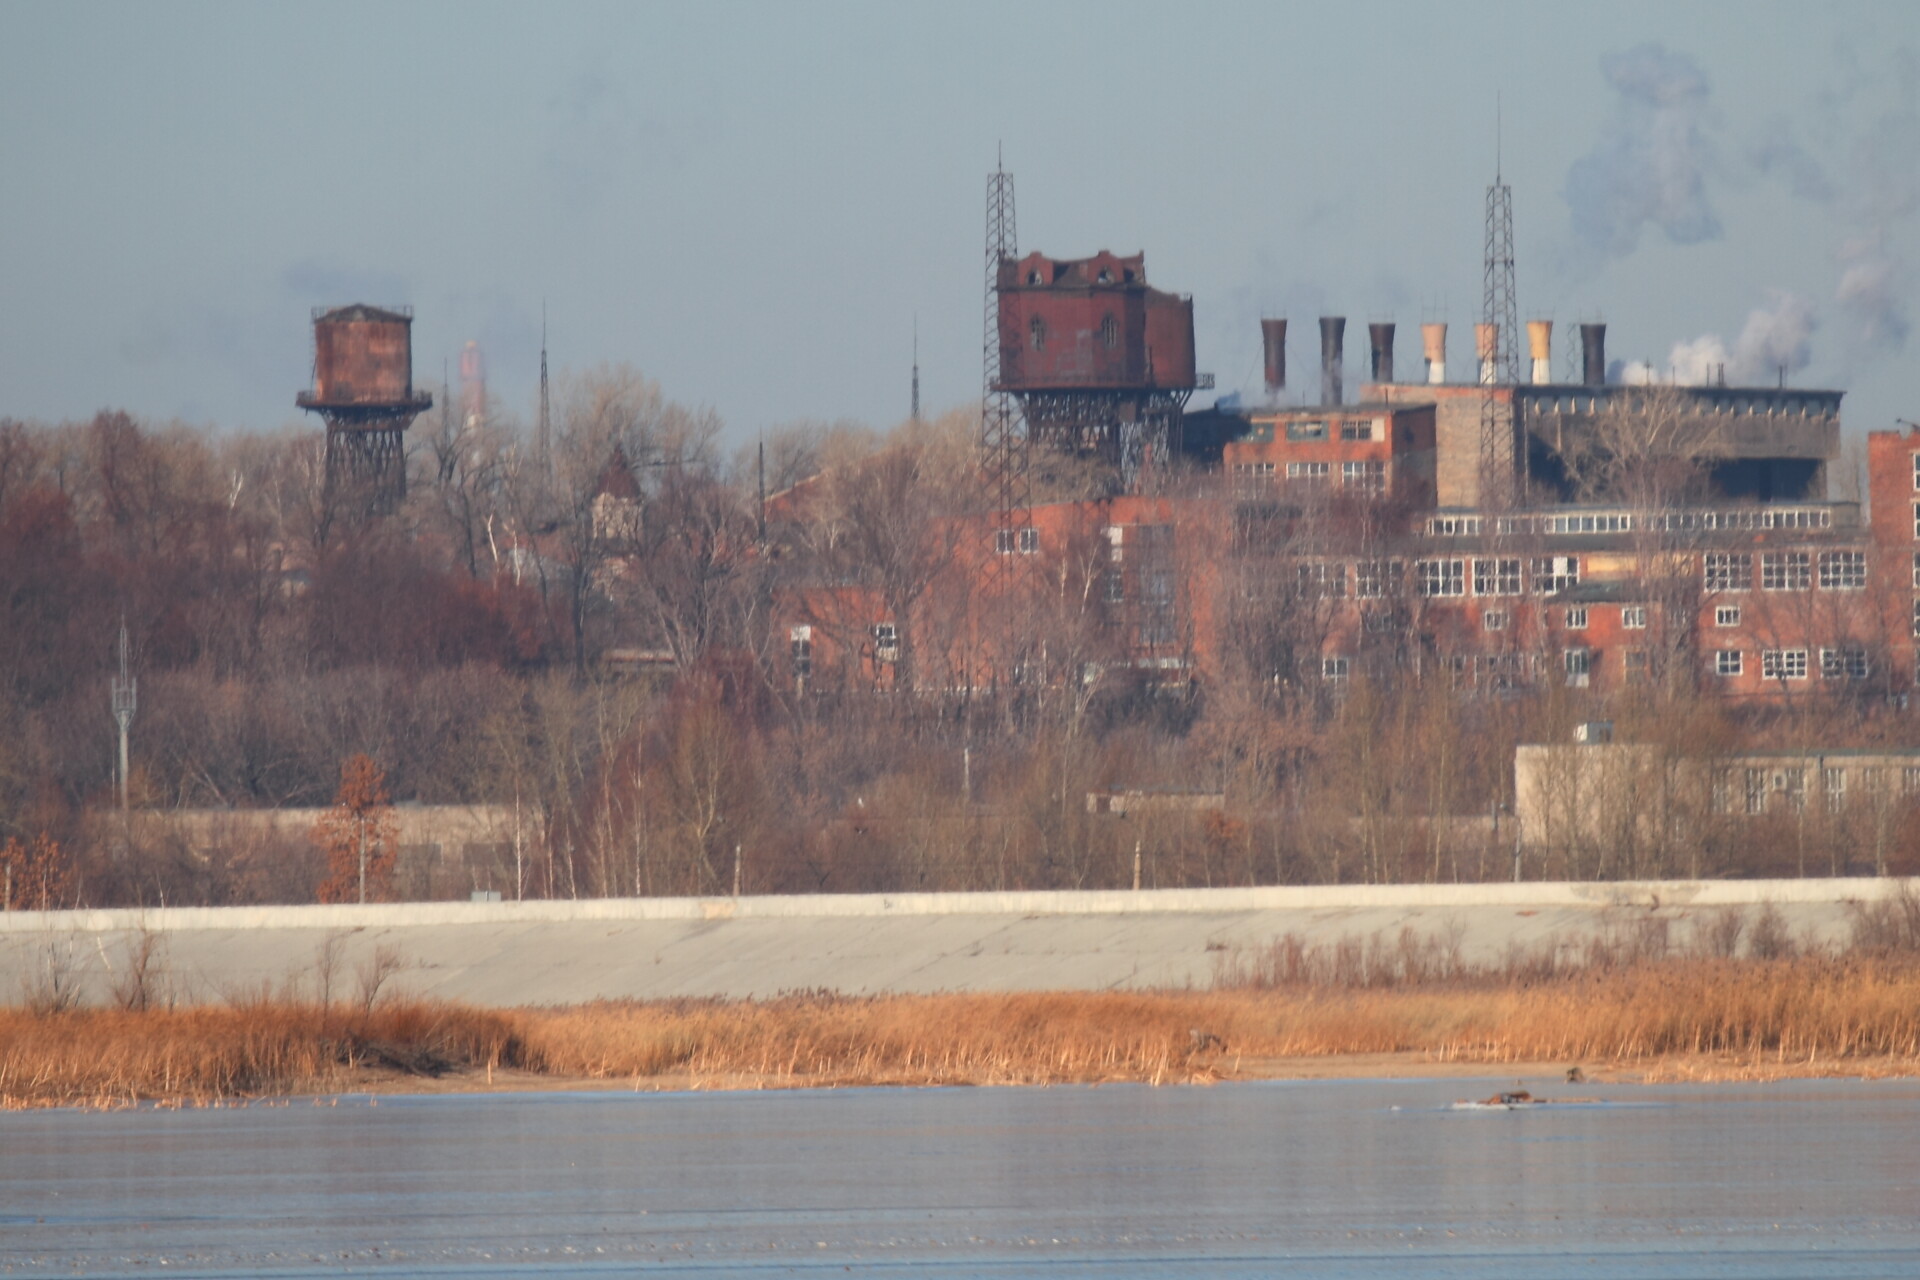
<point>1333,331</point>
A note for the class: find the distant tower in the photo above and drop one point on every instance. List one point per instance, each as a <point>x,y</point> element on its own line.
<point>363,389</point>
<point>1003,441</point>
<point>126,693</point>
<point>473,386</point>
<point>1500,361</point>
<point>543,436</point>
<point>916,369</point>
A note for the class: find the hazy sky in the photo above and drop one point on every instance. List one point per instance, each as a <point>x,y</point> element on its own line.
<point>751,202</point>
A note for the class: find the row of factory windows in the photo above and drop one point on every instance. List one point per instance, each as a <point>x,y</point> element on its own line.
<point>1038,331</point>
<point>1788,783</point>
<point>1365,476</point>
<point>1736,520</point>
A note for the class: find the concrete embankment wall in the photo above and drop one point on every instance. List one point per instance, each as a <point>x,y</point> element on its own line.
<point>558,952</point>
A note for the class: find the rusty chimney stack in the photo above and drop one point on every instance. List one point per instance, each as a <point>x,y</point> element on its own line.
<point>1593,344</point>
<point>1333,335</point>
<point>1434,338</point>
<point>1380,341</point>
<point>1486,345</point>
<point>1540,347</point>
<point>1273,340</point>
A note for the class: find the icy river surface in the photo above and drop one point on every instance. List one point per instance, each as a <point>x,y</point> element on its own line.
<point>1338,1179</point>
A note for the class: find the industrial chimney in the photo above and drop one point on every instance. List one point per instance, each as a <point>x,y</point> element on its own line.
<point>1333,334</point>
<point>1380,340</point>
<point>1434,338</point>
<point>1540,347</point>
<point>1593,344</point>
<point>1273,340</point>
<point>1486,344</point>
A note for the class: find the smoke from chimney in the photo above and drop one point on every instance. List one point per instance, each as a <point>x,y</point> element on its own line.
<point>1333,333</point>
<point>1273,341</point>
<point>1380,343</point>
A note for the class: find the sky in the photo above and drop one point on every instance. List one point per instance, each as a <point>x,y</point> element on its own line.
<point>756,204</point>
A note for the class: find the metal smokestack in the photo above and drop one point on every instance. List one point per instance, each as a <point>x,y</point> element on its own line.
<point>1273,340</point>
<point>1333,334</point>
<point>1593,346</point>
<point>1380,341</point>
<point>1486,345</point>
<point>1540,347</point>
<point>1434,338</point>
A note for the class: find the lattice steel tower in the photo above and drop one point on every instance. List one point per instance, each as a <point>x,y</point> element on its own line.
<point>1499,354</point>
<point>1003,437</point>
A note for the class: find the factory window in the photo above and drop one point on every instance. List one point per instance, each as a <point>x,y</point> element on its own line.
<point>1910,780</point>
<point>1366,477</point>
<point>1033,277</point>
<point>1843,570</point>
<point>1116,586</point>
<point>1783,664</point>
<point>1373,579</point>
<point>1029,542</point>
<point>1323,581</point>
<point>1109,332</point>
<point>1356,429</point>
<point>1916,472</point>
<point>1334,668</point>
<point>886,642</point>
<point>1848,663</point>
<point>1442,577</point>
<point>1636,666</point>
<point>1916,519</point>
<point>1916,617</point>
<point>1792,783</point>
<point>1756,791</point>
<point>1786,570</point>
<point>1251,479</point>
<point>1729,571</point>
<point>1499,577</point>
<point>1833,783</point>
<point>1576,617</point>
<point>1038,328</point>
<point>1555,573</point>
<point>1578,664</point>
<point>1726,615</point>
<point>1494,619</point>
<point>800,645</point>
<point>1454,527</point>
<point>1727,662</point>
<point>1313,429</point>
<point>1311,475</point>
<point>1634,617</point>
<point>1916,571</point>
<point>1105,277</point>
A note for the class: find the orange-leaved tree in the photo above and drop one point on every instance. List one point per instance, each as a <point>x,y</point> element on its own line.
<point>34,876</point>
<point>359,836</point>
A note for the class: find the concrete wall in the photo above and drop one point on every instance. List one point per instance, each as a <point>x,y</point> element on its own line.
<point>559,952</point>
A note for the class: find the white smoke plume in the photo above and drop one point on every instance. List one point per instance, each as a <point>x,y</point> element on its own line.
<point>1651,163</point>
<point>1873,290</point>
<point>1777,337</point>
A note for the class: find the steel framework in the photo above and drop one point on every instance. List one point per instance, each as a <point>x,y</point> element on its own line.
<point>1498,473</point>
<point>1003,439</point>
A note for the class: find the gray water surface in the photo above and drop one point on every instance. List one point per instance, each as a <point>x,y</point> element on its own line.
<point>1338,1179</point>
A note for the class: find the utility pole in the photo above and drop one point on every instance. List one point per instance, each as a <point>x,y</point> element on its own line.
<point>126,692</point>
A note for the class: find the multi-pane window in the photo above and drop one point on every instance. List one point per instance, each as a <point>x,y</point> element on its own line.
<point>1916,617</point>
<point>1916,473</point>
<point>1373,579</point>
<point>1007,541</point>
<point>1311,475</point>
<point>1313,430</point>
<point>1576,617</point>
<point>1356,429</point>
<point>1334,667</point>
<point>1038,330</point>
<point>1578,664</point>
<point>1916,519</point>
<point>1910,779</point>
<point>800,646</point>
<point>1726,662</point>
<point>1756,791</point>
<point>1848,663</point>
<point>1726,615</point>
<point>1783,664</point>
<point>1495,576</point>
<point>1843,570</point>
<point>1494,619</point>
<point>1323,581</point>
<point>1729,571</point>
<point>1786,570</point>
<point>1634,617</point>
<point>1364,477</point>
<point>1916,571</point>
<point>1442,577</point>
<point>1555,573</point>
<point>1253,477</point>
<point>1636,666</point>
<point>886,642</point>
<point>1833,787</point>
<point>1792,783</point>
<point>1116,586</point>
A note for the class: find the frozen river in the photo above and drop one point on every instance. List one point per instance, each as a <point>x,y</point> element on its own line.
<point>1343,1179</point>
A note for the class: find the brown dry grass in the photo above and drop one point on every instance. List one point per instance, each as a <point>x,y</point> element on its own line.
<point>1678,1018</point>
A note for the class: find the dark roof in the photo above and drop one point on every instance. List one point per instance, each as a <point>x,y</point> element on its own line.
<point>361,311</point>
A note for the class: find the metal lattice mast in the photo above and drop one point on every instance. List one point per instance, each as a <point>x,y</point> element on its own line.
<point>916,370</point>
<point>543,437</point>
<point>1501,368</point>
<point>1003,440</point>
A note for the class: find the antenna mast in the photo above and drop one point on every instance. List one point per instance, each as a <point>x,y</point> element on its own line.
<point>916,369</point>
<point>1003,441</point>
<point>1499,345</point>
<point>126,695</point>
<point>543,434</point>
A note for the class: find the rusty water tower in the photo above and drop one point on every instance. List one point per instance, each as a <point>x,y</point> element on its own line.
<point>363,389</point>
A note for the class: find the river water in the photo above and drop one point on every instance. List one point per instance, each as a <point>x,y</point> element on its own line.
<point>1340,1179</point>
